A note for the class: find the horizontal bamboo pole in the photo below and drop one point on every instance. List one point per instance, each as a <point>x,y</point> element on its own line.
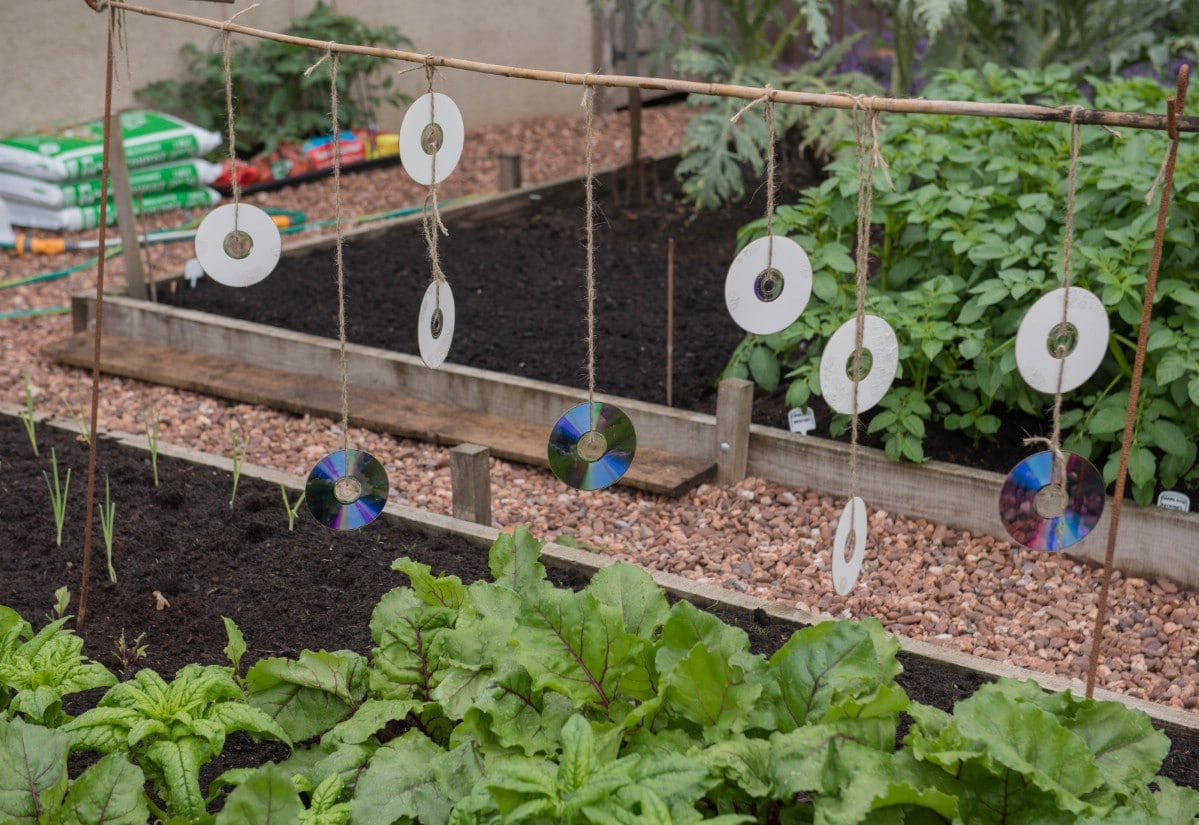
<point>1018,111</point>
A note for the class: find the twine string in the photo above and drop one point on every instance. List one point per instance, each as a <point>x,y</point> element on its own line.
<point>588,104</point>
<point>431,214</point>
<point>766,98</point>
<point>334,60</point>
<point>234,184</point>
<point>1054,442</point>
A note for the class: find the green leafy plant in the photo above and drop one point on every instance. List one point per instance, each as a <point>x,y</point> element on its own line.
<point>150,422</point>
<point>968,239</point>
<point>275,101</point>
<point>171,729</point>
<point>62,599</point>
<point>58,495</point>
<point>292,509</point>
<point>27,415</point>
<point>35,785</point>
<point>239,445</point>
<point>108,514</point>
<point>38,670</point>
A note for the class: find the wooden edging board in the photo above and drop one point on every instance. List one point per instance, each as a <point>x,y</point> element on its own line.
<point>1174,721</point>
<point>1153,542</point>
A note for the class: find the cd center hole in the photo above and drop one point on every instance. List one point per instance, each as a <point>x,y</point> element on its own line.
<point>865,363</point>
<point>431,139</point>
<point>436,323</point>
<point>238,244</point>
<point>1062,340</point>
<point>347,490</point>
<point>592,446</point>
<point>768,286</point>
<point>851,541</point>
<point>1050,501</point>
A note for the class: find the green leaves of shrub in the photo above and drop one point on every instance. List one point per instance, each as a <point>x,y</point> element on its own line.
<point>970,237</point>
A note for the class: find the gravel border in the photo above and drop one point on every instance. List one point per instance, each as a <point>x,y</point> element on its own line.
<point>972,593</point>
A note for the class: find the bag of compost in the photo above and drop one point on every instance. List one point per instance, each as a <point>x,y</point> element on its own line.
<point>164,177</point>
<point>75,218</point>
<point>150,137</point>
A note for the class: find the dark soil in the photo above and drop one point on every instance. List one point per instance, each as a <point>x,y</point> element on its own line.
<point>521,304</point>
<point>309,588</point>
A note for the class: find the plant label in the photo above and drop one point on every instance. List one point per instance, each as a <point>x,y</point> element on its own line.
<point>801,420</point>
<point>1170,500</point>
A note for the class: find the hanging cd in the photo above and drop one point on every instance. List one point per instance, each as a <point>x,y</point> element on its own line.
<point>1043,349</point>
<point>432,127</point>
<point>851,535</point>
<point>879,361</point>
<point>238,244</point>
<point>346,490</point>
<point>592,446</point>
<point>435,330</point>
<point>1034,510</point>
<point>768,284</point>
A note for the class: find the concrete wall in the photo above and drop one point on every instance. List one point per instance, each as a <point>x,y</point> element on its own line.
<point>52,52</point>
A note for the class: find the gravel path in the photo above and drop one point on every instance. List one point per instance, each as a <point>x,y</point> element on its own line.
<point>923,580</point>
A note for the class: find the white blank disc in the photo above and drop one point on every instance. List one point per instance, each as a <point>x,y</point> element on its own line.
<point>763,303</point>
<point>1037,365</point>
<point>425,110</point>
<point>836,364</point>
<point>223,261</point>
<point>435,330</point>
<point>845,573</point>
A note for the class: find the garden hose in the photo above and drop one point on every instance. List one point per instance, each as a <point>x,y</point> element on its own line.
<point>33,313</point>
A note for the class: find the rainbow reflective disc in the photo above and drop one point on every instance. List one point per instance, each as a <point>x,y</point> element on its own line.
<point>1036,518</point>
<point>346,490</point>
<point>592,446</point>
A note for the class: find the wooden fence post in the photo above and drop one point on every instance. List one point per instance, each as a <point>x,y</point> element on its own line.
<point>118,173</point>
<point>470,476</point>
<point>734,404</point>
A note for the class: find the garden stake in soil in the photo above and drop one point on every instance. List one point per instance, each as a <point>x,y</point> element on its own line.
<point>1174,108</point>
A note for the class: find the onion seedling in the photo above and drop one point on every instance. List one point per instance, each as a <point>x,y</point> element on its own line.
<point>150,422</point>
<point>292,509</point>
<point>107,516</point>
<point>81,421</point>
<point>240,446</point>
<point>58,494</point>
<point>27,415</point>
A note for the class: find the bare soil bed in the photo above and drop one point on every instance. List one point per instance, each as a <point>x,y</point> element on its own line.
<point>308,588</point>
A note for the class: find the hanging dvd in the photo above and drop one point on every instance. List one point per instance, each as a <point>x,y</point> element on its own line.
<point>238,244</point>
<point>592,446</point>
<point>768,285</point>
<point>346,490</point>
<point>1038,514</point>
<point>435,324</point>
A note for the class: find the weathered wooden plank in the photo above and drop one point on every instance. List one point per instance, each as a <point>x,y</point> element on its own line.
<point>734,405</point>
<point>653,471</point>
<point>470,478</point>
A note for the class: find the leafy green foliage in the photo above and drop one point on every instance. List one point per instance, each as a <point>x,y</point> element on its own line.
<point>273,99</point>
<point>172,729</point>
<point>37,671</point>
<point>970,237</point>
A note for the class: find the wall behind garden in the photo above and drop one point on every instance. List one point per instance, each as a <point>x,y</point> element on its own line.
<point>52,52</point>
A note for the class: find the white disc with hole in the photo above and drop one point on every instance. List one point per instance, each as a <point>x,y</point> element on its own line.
<point>435,331</point>
<point>851,535</point>
<point>836,364</point>
<point>428,114</point>
<point>1034,356</point>
<point>241,251</point>
<point>768,284</point>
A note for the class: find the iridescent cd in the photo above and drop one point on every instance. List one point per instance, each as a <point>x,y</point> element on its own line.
<point>238,244</point>
<point>592,446</point>
<point>346,490</point>
<point>435,325</point>
<point>1034,510</point>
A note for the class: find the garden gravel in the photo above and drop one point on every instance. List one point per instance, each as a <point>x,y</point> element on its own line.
<point>926,581</point>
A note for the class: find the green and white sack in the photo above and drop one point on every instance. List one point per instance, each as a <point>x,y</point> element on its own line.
<point>180,174</point>
<point>75,218</point>
<point>149,138</point>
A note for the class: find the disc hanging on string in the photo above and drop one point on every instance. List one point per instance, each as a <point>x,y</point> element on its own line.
<point>346,490</point>
<point>879,345</point>
<point>1038,514</point>
<point>768,285</point>
<point>432,128</point>
<point>851,536</point>
<point>592,446</point>
<point>1044,349</point>
<point>435,325</point>
<point>238,244</point>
